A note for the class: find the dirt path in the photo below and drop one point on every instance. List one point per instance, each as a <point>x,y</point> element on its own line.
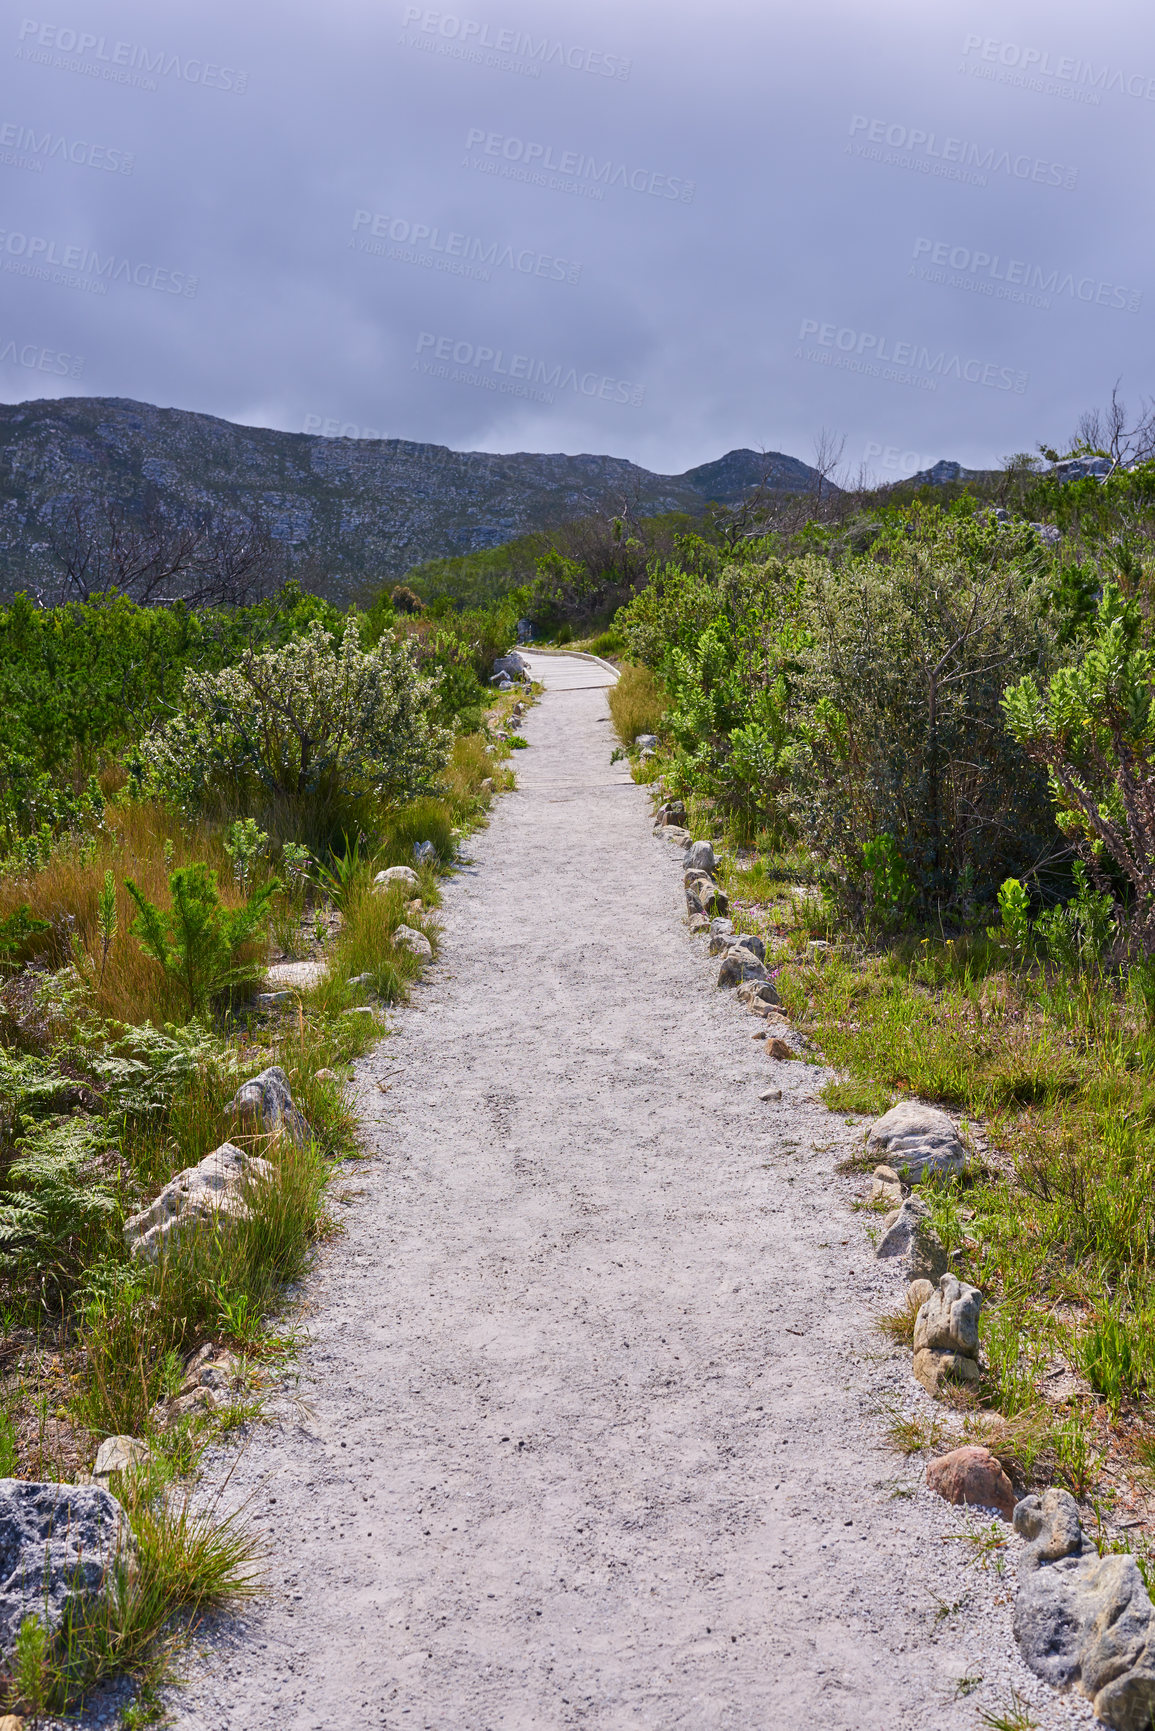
<point>594,1435</point>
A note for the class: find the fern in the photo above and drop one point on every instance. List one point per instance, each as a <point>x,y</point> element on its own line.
<point>58,1198</point>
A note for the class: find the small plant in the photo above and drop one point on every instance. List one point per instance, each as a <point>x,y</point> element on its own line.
<point>342,877</point>
<point>295,863</point>
<point>245,844</point>
<point>1015,1716</point>
<point>988,1546</point>
<point>1079,933</point>
<point>197,941</point>
<point>1014,907</point>
<point>106,922</point>
<point>890,892</point>
<point>31,1675</point>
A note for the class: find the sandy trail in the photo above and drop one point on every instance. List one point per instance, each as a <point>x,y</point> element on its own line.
<point>594,1435</point>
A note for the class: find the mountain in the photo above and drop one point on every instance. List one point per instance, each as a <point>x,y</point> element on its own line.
<point>358,512</point>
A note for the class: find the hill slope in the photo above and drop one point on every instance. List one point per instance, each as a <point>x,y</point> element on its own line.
<point>360,511</point>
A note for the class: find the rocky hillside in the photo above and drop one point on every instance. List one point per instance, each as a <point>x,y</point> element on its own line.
<point>355,512</point>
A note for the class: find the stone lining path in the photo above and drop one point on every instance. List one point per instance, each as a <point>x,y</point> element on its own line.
<point>594,1432</point>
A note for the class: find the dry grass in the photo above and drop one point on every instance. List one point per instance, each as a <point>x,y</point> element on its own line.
<point>637,703</point>
<point>141,841</point>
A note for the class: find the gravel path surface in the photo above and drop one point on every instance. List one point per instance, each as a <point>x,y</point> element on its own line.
<point>596,1403</point>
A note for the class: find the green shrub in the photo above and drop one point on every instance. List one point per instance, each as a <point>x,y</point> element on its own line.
<point>307,730</point>
<point>198,942</point>
<point>902,662</point>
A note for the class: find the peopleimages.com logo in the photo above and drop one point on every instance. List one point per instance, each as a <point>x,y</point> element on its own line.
<point>570,171</point>
<point>1031,66</point>
<point>1014,279</point>
<point>926,152</point>
<point>29,147</point>
<point>483,44</point>
<point>81,267</point>
<point>433,248</point>
<point>40,359</point>
<point>71,50</point>
<point>492,369</point>
<point>904,363</point>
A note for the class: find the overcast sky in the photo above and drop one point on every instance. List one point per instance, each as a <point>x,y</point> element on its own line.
<point>656,228</point>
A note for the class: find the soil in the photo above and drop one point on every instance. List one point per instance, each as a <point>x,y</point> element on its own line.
<point>595,1415</point>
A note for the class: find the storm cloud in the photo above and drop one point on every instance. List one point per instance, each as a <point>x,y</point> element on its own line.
<point>660,231</point>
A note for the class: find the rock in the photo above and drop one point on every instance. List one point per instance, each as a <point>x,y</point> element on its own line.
<point>59,1548</point>
<point>501,682</point>
<point>360,980</point>
<point>117,1453</point>
<point>415,942</point>
<point>770,1094</point>
<point>487,784</point>
<point>326,1075</point>
<point>777,1048</point>
<point>424,852</point>
<point>972,1475</point>
<point>933,1369</point>
<point>949,1320</point>
<point>512,666</point>
<point>415,908</point>
<point>699,922</point>
<point>275,1000</point>
<point>739,966</point>
<point>918,1292</point>
<point>265,1104</point>
<point>672,812</point>
<point>917,1139</point>
<point>200,1195</point>
<point>645,740</point>
<point>301,976</point>
<point>910,1237</point>
<point>1048,533</point>
<point>361,1010</point>
<point>1077,468</point>
<point>403,875</point>
<point>885,1187</point>
<point>723,927</point>
<point>700,857</point>
<point>754,992</point>
<point>675,834</point>
<point>1081,1619</point>
<point>703,895</point>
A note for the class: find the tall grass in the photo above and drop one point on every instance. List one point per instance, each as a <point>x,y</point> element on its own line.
<point>636,703</point>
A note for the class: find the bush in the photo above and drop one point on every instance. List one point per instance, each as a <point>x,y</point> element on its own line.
<point>314,724</point>
<point>1090,728</point>
<point>901,667</point>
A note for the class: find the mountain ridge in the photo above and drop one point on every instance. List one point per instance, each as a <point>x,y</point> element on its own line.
<point>355,511</point>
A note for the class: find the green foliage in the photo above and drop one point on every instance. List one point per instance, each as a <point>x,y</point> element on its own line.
<point>889,893</point>
<point>54,1199</point>
<point>16,929</point>
<point>245,844</point>
<point>198,940</point>
<point>316,724</point>
<point>1014,910</point>
<point>1080,932</point>
<point>902,662</point>
<point>1092,727</point>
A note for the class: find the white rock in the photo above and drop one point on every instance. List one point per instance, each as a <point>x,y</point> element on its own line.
<point>200,1195</point>
<point>117,1453</point>
<point>403,875</point>
<point>415,942</point>
<point>917,1139</point>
